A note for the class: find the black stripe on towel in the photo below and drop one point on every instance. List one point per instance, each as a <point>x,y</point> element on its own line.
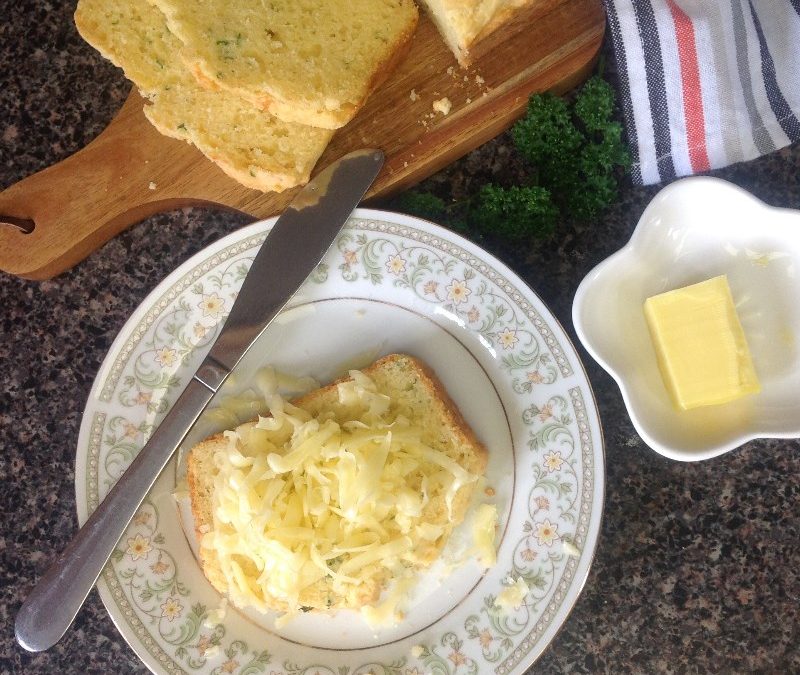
<point>777,102</point>
<point>625,87</point>
<point>656,89</point>
<point>761,136</point>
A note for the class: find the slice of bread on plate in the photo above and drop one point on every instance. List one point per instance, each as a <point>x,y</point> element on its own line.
<point>335,496</point>
<point>255,148</point>
<point>304,61</point>
<point>464,23</point>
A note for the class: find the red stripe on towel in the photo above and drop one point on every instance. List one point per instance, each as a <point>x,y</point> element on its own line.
<point>692,94</point>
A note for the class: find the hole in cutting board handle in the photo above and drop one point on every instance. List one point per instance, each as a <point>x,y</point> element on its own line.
<point>25,225</point>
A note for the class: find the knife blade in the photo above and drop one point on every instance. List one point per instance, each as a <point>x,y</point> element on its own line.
<point>294,247</point>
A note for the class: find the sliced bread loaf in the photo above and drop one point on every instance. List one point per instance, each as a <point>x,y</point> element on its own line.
<point>357,514</point>
<point>304,61</point>
<point>255,148</point>
<point>463,23</point>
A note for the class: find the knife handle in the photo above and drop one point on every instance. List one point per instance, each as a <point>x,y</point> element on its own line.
<point>55,600</point>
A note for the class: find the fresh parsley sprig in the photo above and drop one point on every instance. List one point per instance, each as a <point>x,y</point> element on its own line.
<point>574,156</point>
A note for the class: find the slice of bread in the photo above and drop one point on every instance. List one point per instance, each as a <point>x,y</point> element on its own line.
<point>417,396</point>
<point>304,61</point>
<point>464,23</point>
<point>255,148</point>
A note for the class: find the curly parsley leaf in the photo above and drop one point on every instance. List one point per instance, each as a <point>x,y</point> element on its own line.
<point>515,212</point>
<point>574,155</point>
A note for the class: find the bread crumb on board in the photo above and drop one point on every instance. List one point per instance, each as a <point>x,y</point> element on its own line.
<point>413,95</point>
<point>443,105</point>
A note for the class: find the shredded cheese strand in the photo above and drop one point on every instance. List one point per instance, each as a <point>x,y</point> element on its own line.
<point>298,499</point>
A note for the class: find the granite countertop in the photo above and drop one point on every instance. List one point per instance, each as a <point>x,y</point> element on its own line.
<point>698,565</point>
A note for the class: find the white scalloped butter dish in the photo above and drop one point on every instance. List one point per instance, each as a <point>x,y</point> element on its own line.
<point>695,229</point>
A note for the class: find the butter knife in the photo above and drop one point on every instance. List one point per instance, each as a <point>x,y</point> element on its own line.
<point>294,247</point>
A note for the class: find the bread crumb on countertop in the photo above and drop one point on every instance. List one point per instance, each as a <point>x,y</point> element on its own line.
<point>443,105</point>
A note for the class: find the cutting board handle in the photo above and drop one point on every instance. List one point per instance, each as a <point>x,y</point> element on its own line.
<point>130,171</point>
<point>51,220</point>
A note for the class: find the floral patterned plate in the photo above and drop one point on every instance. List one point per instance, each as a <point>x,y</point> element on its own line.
<point>390,283</point>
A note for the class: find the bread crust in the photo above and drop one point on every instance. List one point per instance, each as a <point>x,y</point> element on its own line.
<point>463,51</point>
<point>499,19</point>
<point>201,507</point>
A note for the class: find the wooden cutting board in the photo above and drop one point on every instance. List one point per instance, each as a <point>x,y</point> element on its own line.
<point>130,171</point>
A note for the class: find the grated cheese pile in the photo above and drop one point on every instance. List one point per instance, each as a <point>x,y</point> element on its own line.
<point>347,495</point>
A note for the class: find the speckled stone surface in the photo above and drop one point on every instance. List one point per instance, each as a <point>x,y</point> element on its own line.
<point>698,565</point>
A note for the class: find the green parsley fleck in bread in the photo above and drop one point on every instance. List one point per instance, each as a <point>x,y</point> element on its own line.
<point>253,147</point>
<point>305,61</point>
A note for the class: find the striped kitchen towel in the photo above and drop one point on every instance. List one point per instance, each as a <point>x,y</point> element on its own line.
<point>705,83</point>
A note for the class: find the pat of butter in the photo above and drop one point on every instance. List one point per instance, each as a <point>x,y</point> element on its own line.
<point>701,347</point>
